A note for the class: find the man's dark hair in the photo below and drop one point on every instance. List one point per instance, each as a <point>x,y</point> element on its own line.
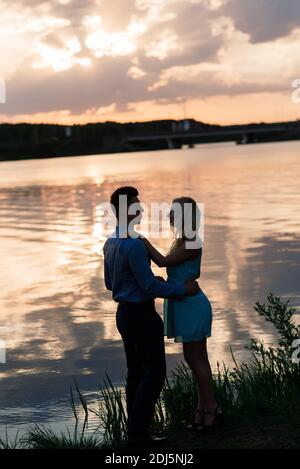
<point>131,193</point>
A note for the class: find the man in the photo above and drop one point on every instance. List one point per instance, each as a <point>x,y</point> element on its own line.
<point>134,287</point>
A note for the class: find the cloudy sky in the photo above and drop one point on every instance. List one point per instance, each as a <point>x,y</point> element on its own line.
<point>221,61</point>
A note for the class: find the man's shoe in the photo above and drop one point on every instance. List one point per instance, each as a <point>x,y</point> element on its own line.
<point>150,440</point>
<point>158,439</point>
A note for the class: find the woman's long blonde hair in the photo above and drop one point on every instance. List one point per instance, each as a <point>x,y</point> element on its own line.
<point>186,221</point>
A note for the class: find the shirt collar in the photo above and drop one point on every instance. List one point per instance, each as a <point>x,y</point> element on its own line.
<point>121,230</point>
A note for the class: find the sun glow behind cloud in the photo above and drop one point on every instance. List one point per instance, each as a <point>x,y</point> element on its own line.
<point>166,43</point>
<point>20,29</point>
<point>61,59</point>
<point>113,44</point>
<point>98,41</point>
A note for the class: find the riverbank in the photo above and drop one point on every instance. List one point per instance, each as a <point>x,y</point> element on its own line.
<point>240,431</point>
<point>260,399</point>
<point>37,141</point>
<point>245,431</point>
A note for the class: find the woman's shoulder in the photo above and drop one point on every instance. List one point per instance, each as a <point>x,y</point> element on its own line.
<point>194,248</point>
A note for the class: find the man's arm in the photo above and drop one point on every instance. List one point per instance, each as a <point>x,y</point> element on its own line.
<point>107,277</point>
<point>140,267</point>
<point>179,255</point>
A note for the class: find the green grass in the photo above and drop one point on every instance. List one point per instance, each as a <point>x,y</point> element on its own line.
<point>9,443</point>
<point>43,437</point>
<point>260,399</point>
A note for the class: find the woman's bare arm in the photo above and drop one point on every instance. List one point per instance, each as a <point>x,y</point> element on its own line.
<point>180,255</point>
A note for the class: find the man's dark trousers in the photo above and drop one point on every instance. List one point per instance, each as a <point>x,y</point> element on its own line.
<point>141,329</point>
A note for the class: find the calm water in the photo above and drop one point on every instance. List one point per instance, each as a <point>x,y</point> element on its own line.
<point>56,317</point>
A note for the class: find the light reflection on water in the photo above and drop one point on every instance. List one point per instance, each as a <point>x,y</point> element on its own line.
<point>57,318</point>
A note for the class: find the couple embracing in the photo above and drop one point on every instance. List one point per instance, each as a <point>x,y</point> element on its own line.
<point>187,312</point>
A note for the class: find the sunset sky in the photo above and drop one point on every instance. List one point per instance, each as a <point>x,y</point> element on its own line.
<point>218,61</point>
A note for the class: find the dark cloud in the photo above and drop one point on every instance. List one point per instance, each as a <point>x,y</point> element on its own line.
<point>78,90</point>
<point>263,20</point>
<point>206,84</point>
<point>196,43</point>
<point>115,14</point>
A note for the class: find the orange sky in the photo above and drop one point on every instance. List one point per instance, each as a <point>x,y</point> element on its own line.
<point>218,61</point>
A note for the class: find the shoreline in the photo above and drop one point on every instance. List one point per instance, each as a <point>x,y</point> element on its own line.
<point>40,141</point>
<point>148,150</point>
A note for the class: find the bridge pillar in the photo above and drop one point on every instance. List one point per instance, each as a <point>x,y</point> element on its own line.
<point>170,143</point>
<point>173,143</point>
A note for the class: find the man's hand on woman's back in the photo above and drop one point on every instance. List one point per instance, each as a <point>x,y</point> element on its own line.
<point>192,287</point>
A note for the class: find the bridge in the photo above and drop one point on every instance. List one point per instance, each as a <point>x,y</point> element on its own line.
<point>239,135</point>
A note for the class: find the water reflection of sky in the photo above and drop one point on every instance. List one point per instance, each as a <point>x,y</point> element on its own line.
<point>57,318</point>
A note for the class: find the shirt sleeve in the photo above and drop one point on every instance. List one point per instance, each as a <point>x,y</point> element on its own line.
<point>140,267</point>
<point>107,277</point>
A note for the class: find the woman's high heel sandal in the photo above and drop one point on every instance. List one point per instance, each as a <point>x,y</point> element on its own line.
<point>217,421</point>
<point>197,426</point>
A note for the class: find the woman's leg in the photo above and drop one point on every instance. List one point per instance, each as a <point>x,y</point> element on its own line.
<point>195,354</point>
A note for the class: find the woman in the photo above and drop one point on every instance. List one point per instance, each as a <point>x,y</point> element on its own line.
<point>189,320</point>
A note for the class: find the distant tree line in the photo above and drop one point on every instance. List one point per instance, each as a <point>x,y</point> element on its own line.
<point>21,141</point>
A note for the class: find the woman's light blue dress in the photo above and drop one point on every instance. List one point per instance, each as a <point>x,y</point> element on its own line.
<point>189,319</point>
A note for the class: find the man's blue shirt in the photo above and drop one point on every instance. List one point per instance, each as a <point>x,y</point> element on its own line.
<point>128,275</point>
